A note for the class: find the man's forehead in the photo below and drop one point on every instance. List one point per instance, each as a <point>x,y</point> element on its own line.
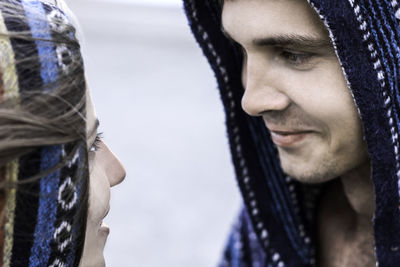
<point>260,19</point>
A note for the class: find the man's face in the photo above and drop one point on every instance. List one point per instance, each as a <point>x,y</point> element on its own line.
<point>293,79</point>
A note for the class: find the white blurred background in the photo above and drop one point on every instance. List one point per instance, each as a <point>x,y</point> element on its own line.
<point>160,112</point>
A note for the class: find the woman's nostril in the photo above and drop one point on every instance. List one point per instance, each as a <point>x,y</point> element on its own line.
<point>122,175</point>
<point>118,174</point>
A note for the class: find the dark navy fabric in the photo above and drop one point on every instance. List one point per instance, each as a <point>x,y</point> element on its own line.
<point>277,224</point>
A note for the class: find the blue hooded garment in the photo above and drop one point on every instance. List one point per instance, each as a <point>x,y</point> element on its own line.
<point>277,224</point>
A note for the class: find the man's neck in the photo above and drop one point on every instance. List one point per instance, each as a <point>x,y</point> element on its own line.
<point>359,192</point>
<point>345,221</point>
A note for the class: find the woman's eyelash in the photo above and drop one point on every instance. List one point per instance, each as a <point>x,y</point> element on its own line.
<point>96,143</point>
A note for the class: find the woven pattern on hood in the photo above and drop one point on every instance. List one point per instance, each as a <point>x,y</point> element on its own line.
<point>47,191</point>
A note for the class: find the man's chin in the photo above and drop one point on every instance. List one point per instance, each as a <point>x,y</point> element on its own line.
<point>309,176</point>
<point>311,180</point>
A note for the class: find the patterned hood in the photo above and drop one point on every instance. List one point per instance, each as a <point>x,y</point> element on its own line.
<point>44,189</point>
<point>277,224</point>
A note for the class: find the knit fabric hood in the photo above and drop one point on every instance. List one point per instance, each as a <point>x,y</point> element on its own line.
<point>277,224</point>
<point>43,190</point>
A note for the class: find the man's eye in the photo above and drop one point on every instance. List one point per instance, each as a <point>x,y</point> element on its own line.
<point>295,58</point>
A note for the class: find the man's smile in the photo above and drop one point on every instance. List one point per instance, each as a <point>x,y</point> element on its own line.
<point>285,136</point>
<point>288,138</point>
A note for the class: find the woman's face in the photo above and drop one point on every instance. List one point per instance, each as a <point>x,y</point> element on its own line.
<point>105,171</point>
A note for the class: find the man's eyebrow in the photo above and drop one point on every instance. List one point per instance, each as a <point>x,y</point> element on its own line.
<point>287,40</point>
<point>293,40</point>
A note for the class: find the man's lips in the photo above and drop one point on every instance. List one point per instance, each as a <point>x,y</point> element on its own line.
<point>288,138</point>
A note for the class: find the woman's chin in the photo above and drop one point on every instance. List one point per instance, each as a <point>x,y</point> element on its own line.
<point>98,261</point>
<point>94,247</point>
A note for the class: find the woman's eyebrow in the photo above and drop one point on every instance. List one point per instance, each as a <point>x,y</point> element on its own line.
<point>93,131</point>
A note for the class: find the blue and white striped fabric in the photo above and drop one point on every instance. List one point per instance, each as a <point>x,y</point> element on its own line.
<point>45,230</point>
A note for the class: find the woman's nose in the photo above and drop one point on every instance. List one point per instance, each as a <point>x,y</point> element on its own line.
<point>115,170</point>
<point>262,93</point>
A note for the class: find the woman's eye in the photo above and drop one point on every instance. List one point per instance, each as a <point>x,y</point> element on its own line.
<point>96,143</point>
<point>295,58</point>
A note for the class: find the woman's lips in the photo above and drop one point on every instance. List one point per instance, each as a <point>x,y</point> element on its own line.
<point>288,139</point>
<point>104,228</point>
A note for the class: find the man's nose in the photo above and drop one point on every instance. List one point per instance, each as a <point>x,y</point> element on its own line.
<point>262,91</point>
